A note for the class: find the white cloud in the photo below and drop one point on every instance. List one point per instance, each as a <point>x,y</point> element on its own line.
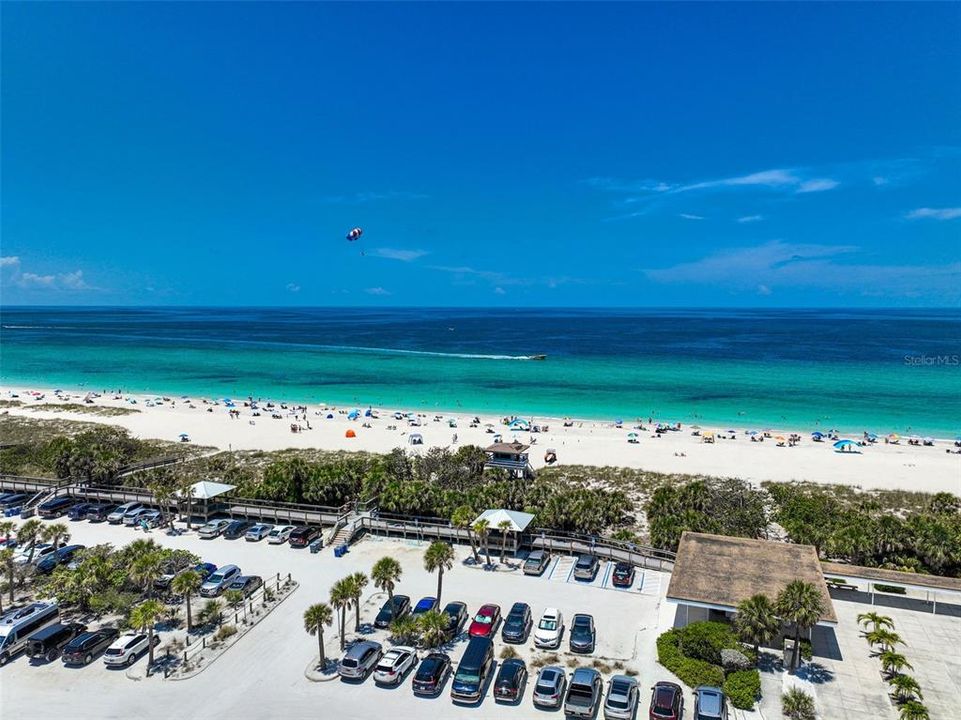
<point>359,198</point>
<point>293,287</point>
<point>879,180</point>
<point>935,213</point>
<point>833,268</point>
<point>817,185</point>
<point>14,276</point>
<point>765,178</point>
<point>377,291</point>
<point>688,216</point>
<point>750,218</point>
<point>395,254</point>
<point>500,291</point>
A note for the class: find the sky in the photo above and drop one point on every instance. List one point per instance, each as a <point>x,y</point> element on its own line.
<point>629,154</point>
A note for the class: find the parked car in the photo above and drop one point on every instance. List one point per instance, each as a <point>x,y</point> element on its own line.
<point>430,676</point>
<point>127,648</point>
<point>582,634</point>
<point>396,607</point>
<point>18,624</point>
<point>133,518</point>
<point>246,584</point>
<point>709,703</point>
<point>213,529</point>
<point>456,613</point>
<point>623,575</point>
<point>62,556</point>
<point>118,515</point>
<point>622,697</point>
<point>549,629</point>
<point>279,535</point>
<point>394,664</point>
<point>258,532</point>
<point>667,702</point>
<point>537,562</point>
<point>172,570</point>
<point>153,518</point>
<point>87,645</point>
<point>485,621</point>
<point>550,686</point>
<point>99,512</point>
<point>583,693</point>
<point>238,529</point>
<point>586,567</point>
<point>517,624</point>
<point>425,604</point>
<point>510,681</point>
<point>218,582</point>
<point>303,536</point>
<point>473,670</point>
<point>40,551</point>
<point>79,511</point>
<point>56,507</point>
<point>49,642</point>
<point>359,660</point>
<point>12,499</point>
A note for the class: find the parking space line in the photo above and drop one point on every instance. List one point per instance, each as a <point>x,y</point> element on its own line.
<point>552,568</point>
<point>570,572</point>
<point>607,573</point>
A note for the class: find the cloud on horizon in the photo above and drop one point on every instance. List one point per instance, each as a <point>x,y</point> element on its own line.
<point>14,275</point>
<point>934,213</point>
<point>764,268</point>
<point>750,218</point>
<point>399,254</point>
<point>377,291</point>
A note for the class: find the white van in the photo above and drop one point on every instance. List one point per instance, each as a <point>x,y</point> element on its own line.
<point>18,625</point>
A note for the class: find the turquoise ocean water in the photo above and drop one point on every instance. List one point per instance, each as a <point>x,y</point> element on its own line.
<point>852,370</point>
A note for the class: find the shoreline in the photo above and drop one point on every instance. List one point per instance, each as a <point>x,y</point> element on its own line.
<point>584,442</point>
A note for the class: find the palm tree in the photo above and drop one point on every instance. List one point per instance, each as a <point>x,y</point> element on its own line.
<point>504,526</point>
<point>55,534</point>
<point>6,559</point>
<point>801,604</point>
<point>461,518</point>
<point>7,529</point>
<point>234,599</point>
<point>482,529</point>
<point>144,616</point>
<point>358,581</point>
<point>756,621</point>
<point>440,557</point>
<point>386,574</point>
<point>893,662</point>
<point>433,628</point>
<point>905,688</point>
<point>145,569</point>
<point>404,629</point>
<point>875,620</point>
<point>27,536</point>
<point>914,710</point>
<point>885,638</point>
<point>187,583</point>
<point>797,705</point>
<point>340,597</point>
<point>316,617</point>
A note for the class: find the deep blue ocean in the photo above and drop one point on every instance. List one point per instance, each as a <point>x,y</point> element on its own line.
<point>881,370</point>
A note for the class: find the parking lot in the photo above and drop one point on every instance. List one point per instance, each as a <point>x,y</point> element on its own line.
<point>268,665</point>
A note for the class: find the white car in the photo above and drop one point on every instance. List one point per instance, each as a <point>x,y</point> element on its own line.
<point>41,551</point>
<point>258,532</point>
<point>279,535</point>
<point>127,648</point>
<point>118,515</point>
<point>213,529</point>
<point>549,629</point>
<point>133,518</point>
<point>395,662</point>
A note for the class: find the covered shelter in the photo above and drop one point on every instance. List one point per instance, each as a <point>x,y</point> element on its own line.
<point>713,574</point>
<point>508,524</point>
<point>512,457</point>
<point>199,495</point>
<point>917,591</point>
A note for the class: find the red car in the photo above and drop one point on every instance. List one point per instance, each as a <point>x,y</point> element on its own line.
<point>623,576</point>
<point>667,702</point>
<point>485,621</point>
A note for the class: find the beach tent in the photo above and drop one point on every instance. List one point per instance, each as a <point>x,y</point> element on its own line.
<point>846,446</point>
<point>751,433</point>
<point>353,414</point>
<point>707,437</point>
<point>330,416</point>
<point>632,437</point>
<point>520,424</point>
<point>350,434</point>
<point>452,422</point>
<point>817,435</point>
<point>416,439</point>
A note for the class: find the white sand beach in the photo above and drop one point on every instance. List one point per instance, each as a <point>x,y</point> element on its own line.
<point>212,423</point>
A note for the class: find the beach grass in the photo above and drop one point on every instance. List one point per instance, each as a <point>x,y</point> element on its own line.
<point>99,410</point>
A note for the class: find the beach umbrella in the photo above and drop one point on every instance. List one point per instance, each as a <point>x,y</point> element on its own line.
<point>367,412</point>
<point>872,436</point>
<point>751,432</point>
<point>842,444</point>
<point>817,434</point>
<point>353,414</point>
<point>929,440</point>
<point>350,434</point>
<point>183,435</point>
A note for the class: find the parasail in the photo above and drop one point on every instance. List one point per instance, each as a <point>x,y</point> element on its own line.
<point>355,234</point>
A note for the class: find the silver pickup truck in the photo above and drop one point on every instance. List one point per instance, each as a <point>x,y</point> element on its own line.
<point>583,693</point>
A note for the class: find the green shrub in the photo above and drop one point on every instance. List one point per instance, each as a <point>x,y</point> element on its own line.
<point>798,705</point>
<point>705,640</point>
<point>743,688</point>
<point>892,589</point>
<point>691,671</point>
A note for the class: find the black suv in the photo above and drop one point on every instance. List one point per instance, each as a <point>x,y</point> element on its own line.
<point>56,507</point>
<point>302,536</point>
<point>518,623</point>
<point>86,646</point>
<point>237,529</point>
<point>48,643</point>
<point>395,608</point>
<point>79,511</point>
<point>456,613</point>
<point>98,512</point>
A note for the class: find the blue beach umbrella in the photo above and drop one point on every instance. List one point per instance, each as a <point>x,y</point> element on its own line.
<point>353,414</point>
<point>845,444</point>
<point>817,434</point>
<point>183,435</point>
<point>752,432</point>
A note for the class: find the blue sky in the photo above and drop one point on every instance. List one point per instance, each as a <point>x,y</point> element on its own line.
<point>504,154</point>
